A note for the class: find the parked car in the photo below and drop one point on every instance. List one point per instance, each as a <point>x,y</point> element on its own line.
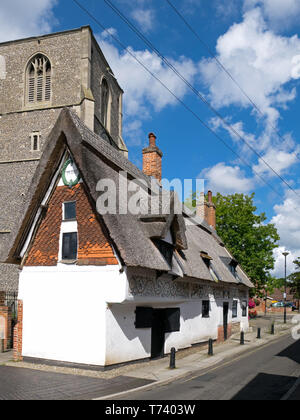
<point>277,305</point>
<point>287,305</point>
<point>291,305</point>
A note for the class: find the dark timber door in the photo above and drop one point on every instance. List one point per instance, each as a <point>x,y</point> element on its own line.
<point>158,333</point>
<point>225,319</point>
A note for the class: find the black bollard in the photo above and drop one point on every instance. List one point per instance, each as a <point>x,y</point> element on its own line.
<point>259,333</point>
<point>173,358</point>
<point>273,329</point>
<point>242,342</point>
<point>210,347</point>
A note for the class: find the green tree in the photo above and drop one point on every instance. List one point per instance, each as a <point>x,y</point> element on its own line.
<point>294,281</point>
<point>275,283</point>
<point>245,233</point>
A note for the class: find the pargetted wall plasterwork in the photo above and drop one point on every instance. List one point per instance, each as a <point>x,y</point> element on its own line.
<point>167,288</point>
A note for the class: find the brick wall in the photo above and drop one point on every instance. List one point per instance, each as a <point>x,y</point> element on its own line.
<point>18,333</point>
<point>231,330</point>
<point>93,245</point>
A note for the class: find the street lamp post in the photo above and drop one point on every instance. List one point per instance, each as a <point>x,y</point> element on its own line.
<point>266,298</point>
<point>285,254</point>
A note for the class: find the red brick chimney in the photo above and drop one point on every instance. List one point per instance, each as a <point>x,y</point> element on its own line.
<point>152,156</point>
<point>206,209</point>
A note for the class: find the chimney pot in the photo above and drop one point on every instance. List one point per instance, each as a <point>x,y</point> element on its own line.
<point>152,140</point>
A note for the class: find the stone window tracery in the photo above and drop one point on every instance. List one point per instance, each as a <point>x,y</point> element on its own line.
<point>39,80</point>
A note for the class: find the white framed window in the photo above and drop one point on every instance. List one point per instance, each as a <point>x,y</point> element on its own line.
<point>244,308</point>
<point>205,308</point>
<point>69,210</point>
<point>69,246</point>
<point>234,309</point>
<point>35,141</point>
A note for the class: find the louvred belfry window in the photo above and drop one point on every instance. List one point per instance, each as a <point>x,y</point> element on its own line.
<point>39,80</point>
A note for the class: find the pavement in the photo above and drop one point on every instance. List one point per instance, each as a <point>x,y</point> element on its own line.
<point>6,357</point>
<point>267,373</point>
<point>159,371</point>
<point>28,384</point>
<point>21,381</point>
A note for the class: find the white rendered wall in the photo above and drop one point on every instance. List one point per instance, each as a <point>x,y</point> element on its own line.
<point>64,311</point>
<point>193,328</point>
<point>126,343</point>
<point>66,317</point>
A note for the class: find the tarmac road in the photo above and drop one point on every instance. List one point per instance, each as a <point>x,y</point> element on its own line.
<point>267,373</point>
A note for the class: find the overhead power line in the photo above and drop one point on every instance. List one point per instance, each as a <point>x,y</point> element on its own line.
<point>221,65</point>
<point>195,91</point>
<point>120,43</point>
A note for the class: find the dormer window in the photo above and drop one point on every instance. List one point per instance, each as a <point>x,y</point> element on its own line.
<point>232,267</point>
<point>166,250</point>
<point>38,89</point>
<point>206,258</point>
<point>208,262</point>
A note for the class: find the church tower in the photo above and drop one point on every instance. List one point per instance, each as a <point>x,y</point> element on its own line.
<point>39,77</point>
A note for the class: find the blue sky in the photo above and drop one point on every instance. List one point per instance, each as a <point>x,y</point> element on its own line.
<point>258,43</point>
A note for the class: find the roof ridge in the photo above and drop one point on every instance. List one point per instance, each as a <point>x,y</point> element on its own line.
<point>117,158</point>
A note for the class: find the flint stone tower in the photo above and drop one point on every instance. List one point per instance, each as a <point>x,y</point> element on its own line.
<point>39,77</point>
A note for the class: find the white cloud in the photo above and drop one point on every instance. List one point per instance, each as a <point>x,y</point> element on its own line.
<point>261,61</point>
<point>227,179</point>
<point>145,18</point>
<point>280,13</point>
<point>226,9</point>
<point>20,19</point>
<point>141,89</point>
<point>279,262</point>
<point>133,132</point>
<point>143,94</point>
<point>278,155</point>
<point>287,222</point>
<point>279,160</point>
<point>232,128</point>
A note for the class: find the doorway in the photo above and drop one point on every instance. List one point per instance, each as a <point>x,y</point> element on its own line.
<point>158,334</point>
<point>225,319</point>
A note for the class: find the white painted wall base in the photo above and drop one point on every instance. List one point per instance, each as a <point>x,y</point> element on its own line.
<point>64,312</point>
<point>125,343</point>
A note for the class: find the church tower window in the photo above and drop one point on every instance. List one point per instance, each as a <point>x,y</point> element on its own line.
<point>38,80</point>
<point>104,102</point>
